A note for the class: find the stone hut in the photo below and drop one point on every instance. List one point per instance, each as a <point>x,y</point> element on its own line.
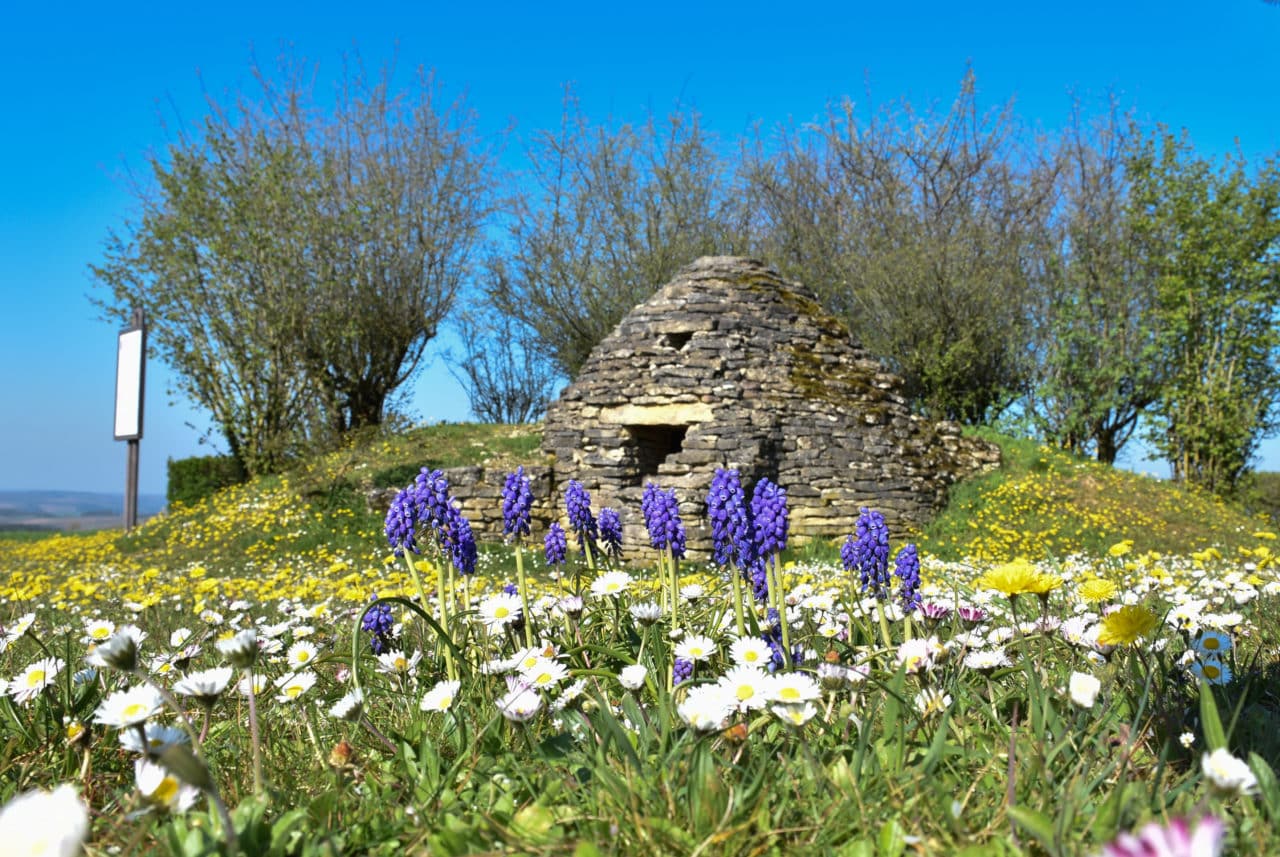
<point>731,365</point>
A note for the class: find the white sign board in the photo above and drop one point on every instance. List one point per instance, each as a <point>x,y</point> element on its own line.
<point>129,369</point>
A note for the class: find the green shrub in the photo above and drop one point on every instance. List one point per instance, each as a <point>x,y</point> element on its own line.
<point>193,479</point>
<point>396,476</point>
<point>1262,495</point>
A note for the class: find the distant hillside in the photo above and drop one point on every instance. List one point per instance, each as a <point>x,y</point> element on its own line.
<point>69,510</point>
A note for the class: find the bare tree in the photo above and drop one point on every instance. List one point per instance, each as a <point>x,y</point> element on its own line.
<point>609,215</point>
<point>506,378</point>
<point>294,258</point>
<point>922,230</point>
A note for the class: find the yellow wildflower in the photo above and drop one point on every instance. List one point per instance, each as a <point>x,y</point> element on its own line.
<point>1127,625</point>
<point>1013,578</point>
<point>1097,589</point>
<point>1121,548</point>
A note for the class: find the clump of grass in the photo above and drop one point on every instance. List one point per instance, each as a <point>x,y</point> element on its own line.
<point>1044,502</point>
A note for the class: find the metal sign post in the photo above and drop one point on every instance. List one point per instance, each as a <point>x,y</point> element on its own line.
<point>131,373</point>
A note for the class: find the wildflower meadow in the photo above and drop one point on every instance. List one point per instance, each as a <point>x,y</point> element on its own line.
<point>270,673</point>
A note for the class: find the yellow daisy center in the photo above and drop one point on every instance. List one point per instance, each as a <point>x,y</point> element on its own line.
<point>35,678</point>
<point>134,709</point>
<point>788,693</point>
<point>501,613</point>
<point>293,691</point>
<point>166,791</point>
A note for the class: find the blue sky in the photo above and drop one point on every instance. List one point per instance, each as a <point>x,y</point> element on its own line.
<point>88,89</point>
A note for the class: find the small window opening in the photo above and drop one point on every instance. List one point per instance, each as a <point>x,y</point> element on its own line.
<point>654,446</point>
<point>676,340</point>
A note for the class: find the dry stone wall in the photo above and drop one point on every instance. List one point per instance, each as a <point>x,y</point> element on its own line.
<point>730,365</point>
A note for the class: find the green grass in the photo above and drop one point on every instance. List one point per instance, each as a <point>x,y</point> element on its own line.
<point>1009,767</point>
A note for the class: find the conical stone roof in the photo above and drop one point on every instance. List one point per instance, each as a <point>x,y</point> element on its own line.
<point>731,365</point>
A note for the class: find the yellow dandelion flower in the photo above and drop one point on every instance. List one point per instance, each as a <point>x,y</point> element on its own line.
<point>1013,578</point>
<point>1127,625</point>
<point>1121,548</point>
<point>1097,589</point>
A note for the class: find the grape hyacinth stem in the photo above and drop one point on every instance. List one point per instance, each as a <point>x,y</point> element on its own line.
<point>451,669</point>
<point>524,596</point>
<point>779,599</point>
<point>736,577</point>
<point>675,588</point>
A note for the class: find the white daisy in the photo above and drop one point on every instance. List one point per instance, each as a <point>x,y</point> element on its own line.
<point>34,679</point>
<point>707,707</point>
<point>1212,643</point>
<point>15,630</point>
<point>1083,689</point>
<point>241,649</point>
<point>204,686</point>
<point>544,673</point>
<point>632,677</point>
<point>49,823</point>
<point>646,613</point>
<point>696,647</point>
<point>158,739</point>
<point>986,660</point>
<point>568,695</point>
<point>498,611</point>
<point>119,652</point>
<point>294,685</point>
<point>128,707</point>
<point>350,707</point>
<point>161,788</point>
<point>520,704</point>
<point>301,654</point>
<point>793,688</point>
<point>98,630</point>
<point>399,664</point>
<point>611,583</point>
<point>750,651</point>
<point>749,687</point>
<point>259,685</point>
<point>1227,774</point>
<point>931,701</point>
<point>797,714</point>
<point>441,696</point>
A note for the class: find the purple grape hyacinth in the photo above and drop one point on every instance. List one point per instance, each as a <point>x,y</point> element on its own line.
<point>731,531</point>
<point>517,501</point>
<point>577,504</point>
<point>401,521</point>
<point>427,501</point>
<point>611,532</point>
<point>769,517</point>
<point>662,519</point>
<point>379,624</point>
<point>681,670</point>
<point>870,553</point>
<point>555,545</point>
<point>906,567</point>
